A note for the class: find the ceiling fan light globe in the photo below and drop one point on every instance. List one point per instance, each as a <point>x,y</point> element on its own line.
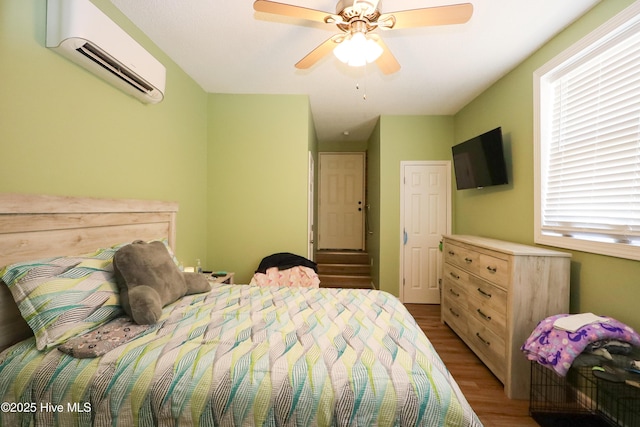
<point>372,50</point>
<point>343,51</point>
<point>357,49</point>
<point>359,40</point>
<point>357,61</point>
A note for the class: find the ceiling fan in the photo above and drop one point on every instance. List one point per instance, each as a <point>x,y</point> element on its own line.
<point>356,45</point>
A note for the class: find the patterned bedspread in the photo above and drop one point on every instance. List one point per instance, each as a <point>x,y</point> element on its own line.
<point>246,356</point>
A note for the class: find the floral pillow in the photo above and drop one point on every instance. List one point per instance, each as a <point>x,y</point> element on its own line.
<point>101,340</point>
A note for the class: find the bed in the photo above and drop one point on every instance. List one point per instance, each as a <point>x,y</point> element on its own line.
<point>238,355</point>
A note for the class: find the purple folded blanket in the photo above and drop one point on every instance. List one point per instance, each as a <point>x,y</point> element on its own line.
<point>557,348</point>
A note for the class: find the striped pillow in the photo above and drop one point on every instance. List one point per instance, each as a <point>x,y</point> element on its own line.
<point>64,296</point>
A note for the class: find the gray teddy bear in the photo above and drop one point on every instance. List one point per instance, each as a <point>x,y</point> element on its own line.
<point>149,279</point>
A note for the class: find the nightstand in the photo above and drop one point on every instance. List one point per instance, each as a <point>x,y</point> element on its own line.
<point>215,278</point>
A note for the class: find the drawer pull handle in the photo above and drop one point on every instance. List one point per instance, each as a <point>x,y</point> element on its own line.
<point>484,316</point>
<point>455,276</point>
<point>492,270</point>
<point>454,293</point>
<point>485,342</point>
<point>486,294</point>
<point>468,260</point>
<point>453,312</point>
<point>451,253</point>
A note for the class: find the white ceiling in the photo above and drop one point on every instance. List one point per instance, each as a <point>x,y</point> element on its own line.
<point>227,47</point>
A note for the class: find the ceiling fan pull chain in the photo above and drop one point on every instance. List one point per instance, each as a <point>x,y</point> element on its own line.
<point>364,95</point>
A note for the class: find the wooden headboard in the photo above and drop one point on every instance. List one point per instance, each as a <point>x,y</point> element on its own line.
<point>34,227</point>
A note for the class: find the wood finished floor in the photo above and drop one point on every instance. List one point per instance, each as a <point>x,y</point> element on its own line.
<point>482,389</point>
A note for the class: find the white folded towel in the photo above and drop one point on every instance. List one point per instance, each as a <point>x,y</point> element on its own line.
<point>576,321</point>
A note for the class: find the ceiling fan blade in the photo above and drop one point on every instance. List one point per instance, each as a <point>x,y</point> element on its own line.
<point>318,53</point>
<point>387,63</point>
<point>290,10</point>
<point>431,16</point>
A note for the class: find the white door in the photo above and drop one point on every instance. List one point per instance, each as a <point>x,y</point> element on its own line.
<point>341,201</point>
<point>425,217</point>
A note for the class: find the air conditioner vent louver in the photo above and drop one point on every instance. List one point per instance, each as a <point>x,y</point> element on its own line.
<point>80,31</point>
<point>105,61</point>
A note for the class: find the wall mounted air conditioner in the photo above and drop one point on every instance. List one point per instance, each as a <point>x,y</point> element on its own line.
<point>80,31</point>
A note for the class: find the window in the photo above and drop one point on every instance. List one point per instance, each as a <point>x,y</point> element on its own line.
<point>587,142</point>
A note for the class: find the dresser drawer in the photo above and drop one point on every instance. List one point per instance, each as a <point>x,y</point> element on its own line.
<point>485,294</point>
<point>456,275</point>
<point>460,256</point>
<point>455,315</point>
<point>490,345</point>
<point>487,305</point>
<point>493,269</point>
<point>454,291</point>
<point>484,265</point>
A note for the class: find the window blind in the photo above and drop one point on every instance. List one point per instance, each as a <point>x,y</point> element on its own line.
<point>591,170</point>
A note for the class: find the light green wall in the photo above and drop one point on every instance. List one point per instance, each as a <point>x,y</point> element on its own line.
<point>257,185</point>
<point>402,138</point>
<point>65,131</point>
<point>599,284</point>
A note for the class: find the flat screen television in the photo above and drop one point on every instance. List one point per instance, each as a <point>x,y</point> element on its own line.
<point>479,162</point>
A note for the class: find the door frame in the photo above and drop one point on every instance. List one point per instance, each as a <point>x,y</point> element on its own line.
<point>311,209</point>
<point>404,163</point>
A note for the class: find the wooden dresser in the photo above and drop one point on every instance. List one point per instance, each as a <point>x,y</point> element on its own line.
<point>494,293</point>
